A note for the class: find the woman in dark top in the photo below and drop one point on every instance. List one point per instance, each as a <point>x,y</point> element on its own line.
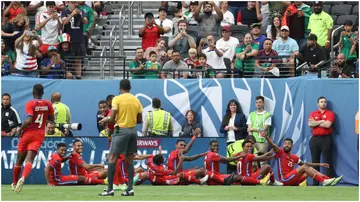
<point>14,29</point>
<point>190,125</point>
<point>234,123</point>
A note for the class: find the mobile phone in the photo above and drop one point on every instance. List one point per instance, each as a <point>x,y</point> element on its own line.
<point>29,33</point>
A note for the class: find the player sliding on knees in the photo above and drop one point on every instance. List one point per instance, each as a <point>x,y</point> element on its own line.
<point>293,177</point>
<point>182,148</point>
<point>94,173</point>
<point>212,160</point>
<point>53,169</point>
<point>245,164</point>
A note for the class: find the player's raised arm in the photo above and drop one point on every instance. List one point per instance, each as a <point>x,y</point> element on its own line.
<point>197,133</point>
<point>265,157</point>
<point>194,157</point>
<point>273,145</point>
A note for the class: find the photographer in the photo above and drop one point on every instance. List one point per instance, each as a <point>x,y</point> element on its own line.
<point>342,69</point>
<point>61,113</point>
<point>150,32</point>
<point>138,64</point>
<point>51,131</point>
<point>182,42</point>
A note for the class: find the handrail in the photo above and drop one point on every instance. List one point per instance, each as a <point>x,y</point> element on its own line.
<point>130,22</point>
<point>332,54</point>
<point>102,65</point>
<point>139,9</point>
<point>121,31</point>
<point>111,50</point>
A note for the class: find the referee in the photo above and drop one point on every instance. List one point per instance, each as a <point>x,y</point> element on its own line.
<point>126,112</point>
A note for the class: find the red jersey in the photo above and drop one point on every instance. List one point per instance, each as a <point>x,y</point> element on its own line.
<point>40,110</point>
<point>110,126</point>
<point>212,162</point>
<point>75,163</point>
<point>244,165</point>
<point>285,163</point>
<point>327,115</point>
<point>173,160</point>
<point>155,170</point>
<point>55,163</point>
<point>150,37</point>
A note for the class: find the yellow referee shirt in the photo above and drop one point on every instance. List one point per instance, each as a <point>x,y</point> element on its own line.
<point>128,107</point>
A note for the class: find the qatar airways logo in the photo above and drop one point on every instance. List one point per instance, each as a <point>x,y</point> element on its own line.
<point>148,143</point>
<point>41,108</point>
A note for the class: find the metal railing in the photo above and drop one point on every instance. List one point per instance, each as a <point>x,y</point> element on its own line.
<point>121,31</point>
<point>102,63</point>
<point>112,53</point>
<point>130,22</point>
<point>332,53</point>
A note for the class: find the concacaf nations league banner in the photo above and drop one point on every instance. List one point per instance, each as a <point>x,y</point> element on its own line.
<point>290,101</point>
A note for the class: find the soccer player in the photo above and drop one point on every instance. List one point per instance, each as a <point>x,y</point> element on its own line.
<point>293,177</point>
<point>245,164</point>
<point>32,134</point>
<point>53,169</point>
<point>94,173</point>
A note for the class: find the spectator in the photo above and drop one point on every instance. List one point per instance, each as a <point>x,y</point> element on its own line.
<point>248,15</point>
<point>342,69</point>
<point>236,6</point>
<point>348,42</point>
<point>273,30</point>
<point>158,49</point>
<point>50,25</point>
<point>109,99</point>
<point>176,64</point>
<point>40,7</point>
<point>263,65</point>
<point>245,53</point>
<point>320,122</point>
<point>228,17</point>
<point>227,43</point>
<point>138,64</point>
<point>214,55</point>
<point>259,121</point>
<point>65,51</point>
<point>15,8</point>
<point>320,24</point>
<point>51,131</point>
<point>189,14</point>
<point>187,130</point>
<point>62,113</point>
<point>165,23</point>
<point>10,118</point>
<point>26,48</point>
<point>276,7</point>
<point>150,32</point>
<point>74,20</point>
<point>103,110</point>
<point>152,64</point>
<point>157,122</point>
<point>209,71</point>
<point>286,47</point>
<point>182,42</point>
<point>296,17</point>
<point>208,22</point>
<point>178,16</point>
<point>53,67</point>
<point>257,36</point>
<point>192,61</point>
<point>14,29</point>
<point>313,54</point>
<point>171,5</point>
<point>89,13</point>
<point>7,58</point>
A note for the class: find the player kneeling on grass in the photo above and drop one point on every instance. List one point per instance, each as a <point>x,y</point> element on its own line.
<point>245,164</point>
<point>94,173</point>
<point>293,177</point>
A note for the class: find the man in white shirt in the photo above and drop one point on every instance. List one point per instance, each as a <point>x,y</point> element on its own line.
<point>49,22</point>
<point>164,22</point>
<point>227,43</point>
<point>213,54</point>
<point>40,7</point>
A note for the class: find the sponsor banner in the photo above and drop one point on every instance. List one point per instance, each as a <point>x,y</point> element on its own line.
<point>95,152</point>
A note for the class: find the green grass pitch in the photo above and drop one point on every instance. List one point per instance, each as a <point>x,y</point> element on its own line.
<point>176,193</point>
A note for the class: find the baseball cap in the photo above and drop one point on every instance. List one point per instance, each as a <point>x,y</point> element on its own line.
<point>348,22</point>
<point>256,25</point>
<point>226,28</point>
<point>318,3</point>
<point>162,9</point>
<point>52,48</point>
<point>285,27</point>
<point>312,37</point>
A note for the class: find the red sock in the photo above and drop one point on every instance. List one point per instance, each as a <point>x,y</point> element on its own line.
<point>89,180</point>
<point>272,178</point>
<point>325,177</point>
<point>190,178</point>
<point>318,178</point>
<point>16,173</point>
<point>216,177</point>
<point>27,170</point>
<point>249,181</point>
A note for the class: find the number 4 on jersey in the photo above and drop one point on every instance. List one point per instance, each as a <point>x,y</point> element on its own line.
<point>39,119</point>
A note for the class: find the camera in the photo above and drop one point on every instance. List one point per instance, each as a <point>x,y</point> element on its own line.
<point>71,126</point>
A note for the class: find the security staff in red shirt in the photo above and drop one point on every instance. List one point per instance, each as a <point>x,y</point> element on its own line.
<point>320,122</point>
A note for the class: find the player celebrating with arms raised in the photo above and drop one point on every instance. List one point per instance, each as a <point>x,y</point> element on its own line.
<point>32,134</point>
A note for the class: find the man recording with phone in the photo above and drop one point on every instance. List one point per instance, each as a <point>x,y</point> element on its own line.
<point>182,42</point>
<point>150,32</point>
<point>138,64</point>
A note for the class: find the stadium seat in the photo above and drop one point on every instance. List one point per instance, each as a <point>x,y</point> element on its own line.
<point>331,3</point>
<point>343,9</point>
<point>334,18</point>
<point>352,2</point>
<point>342,18</point>
<point>193,31</point>
<point>239,31</point>
<point>355,10</point>
<point>327,8</point>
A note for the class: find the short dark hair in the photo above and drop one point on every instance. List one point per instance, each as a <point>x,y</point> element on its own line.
<point>321,97</point>
<point>182,21</point>
<point>125,84</point>
<point>50,3</point>
<point>38,89</point>
<point>61,144</point>
<point>212,141</point>
<point>158,159</point>
<point>152,53</point>
<point>49,121</point>
<point>139,48</point>
<point>109,97</point>
<point>102,102</point>
<point>245,142</point>
<point>176,10</point>
<point>268,39</point>
<point>289,139</point>
<point>251,138</point>
<point>156,103</point>
<point>260,98</point>
<point>202,55</point>
<point>175,51</point>
<point>148,15</point>
<point>75,141</point>
<point>6,94</point>
<point>179,140</point>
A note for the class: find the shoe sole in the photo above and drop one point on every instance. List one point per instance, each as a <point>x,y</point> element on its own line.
<point>19,186</point>
<point>335,182</point>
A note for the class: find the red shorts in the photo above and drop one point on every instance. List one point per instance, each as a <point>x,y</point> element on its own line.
<point>65,180</point>
<point>157,180</point>
<point>92,174</point>
<point>292,179</point>
<point>214,182</point>
<point>31,141</point>
<point>44,48</point>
